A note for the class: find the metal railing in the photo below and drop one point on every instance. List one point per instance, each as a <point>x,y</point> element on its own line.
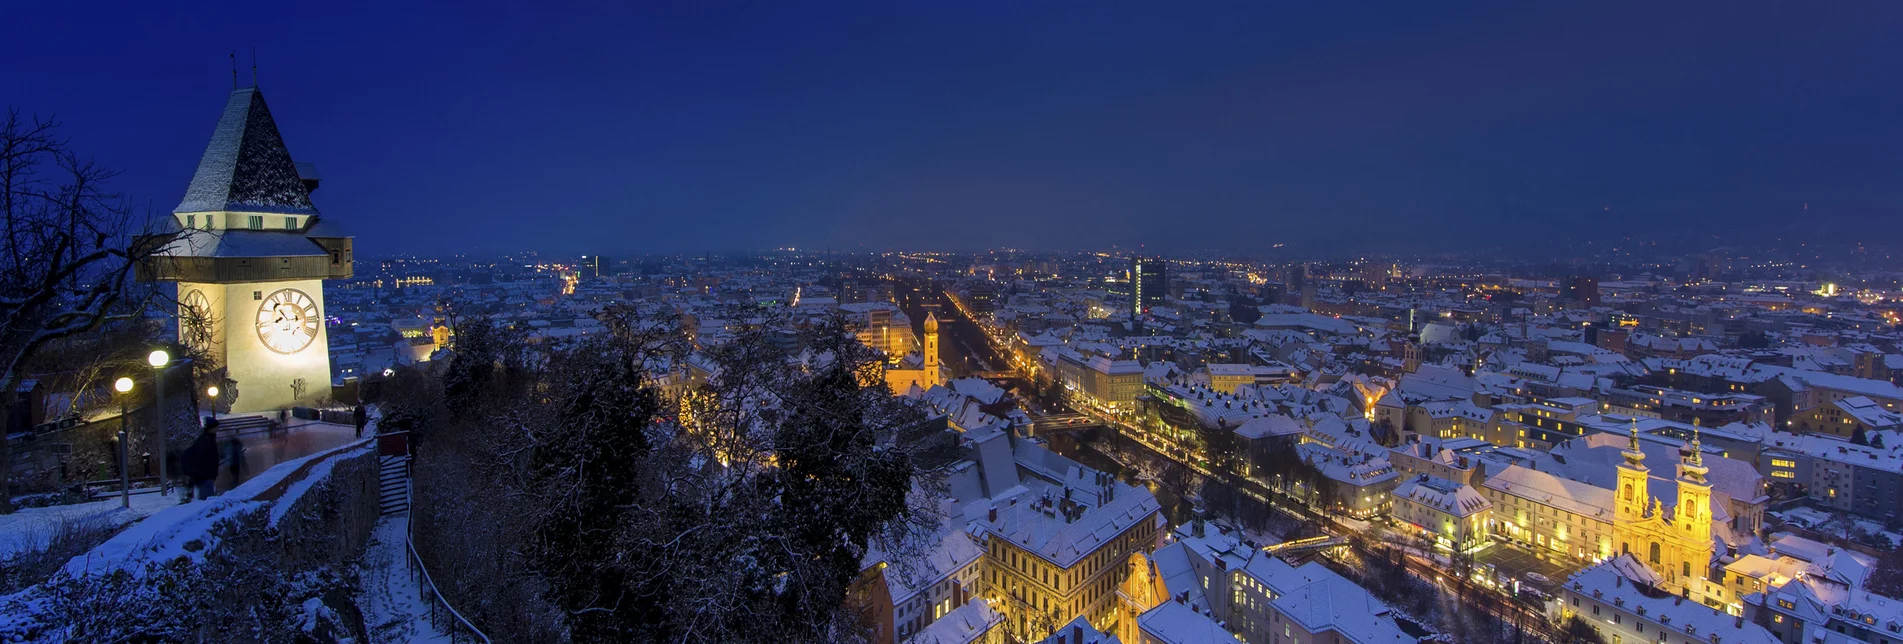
<point>442,616</point>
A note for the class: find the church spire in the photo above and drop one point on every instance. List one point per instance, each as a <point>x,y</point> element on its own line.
<point>1634,456</point>
<point>1692,466</point>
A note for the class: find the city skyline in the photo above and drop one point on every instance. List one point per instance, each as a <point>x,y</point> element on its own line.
<point>1328,130</point>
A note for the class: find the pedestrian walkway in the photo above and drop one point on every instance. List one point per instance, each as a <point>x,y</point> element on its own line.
<point>392,603</point>
<point>264,449</point>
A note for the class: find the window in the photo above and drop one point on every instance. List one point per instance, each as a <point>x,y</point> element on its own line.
<point>191,221</point>
<point>256,222</point>
<point>290,223</point>
<point>257,295</point>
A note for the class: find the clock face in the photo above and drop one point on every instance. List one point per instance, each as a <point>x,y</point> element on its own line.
<point>194,319</point>
<point>288,320</point>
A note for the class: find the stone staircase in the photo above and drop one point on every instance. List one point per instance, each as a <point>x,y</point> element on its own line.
<point>244,424</point>
<point>393,484</point>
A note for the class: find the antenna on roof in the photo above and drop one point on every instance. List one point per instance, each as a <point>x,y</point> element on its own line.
<point>234,70</point>
<point>254,66</point>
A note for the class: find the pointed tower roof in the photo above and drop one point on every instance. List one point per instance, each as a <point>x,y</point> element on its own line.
<point>246,167</point>
<point>931,323</point>
<point>1634,456</point>
<point>1693,468</point>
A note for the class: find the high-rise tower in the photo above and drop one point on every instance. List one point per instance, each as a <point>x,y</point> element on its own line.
<point>250,262</point>
<point>1148,285</point>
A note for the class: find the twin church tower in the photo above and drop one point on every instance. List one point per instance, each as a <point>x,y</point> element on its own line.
<point>249,260</point>
<point>1676,545</point>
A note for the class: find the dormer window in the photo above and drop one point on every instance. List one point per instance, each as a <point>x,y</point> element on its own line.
<point>290,223</point>
<point>256,222</point>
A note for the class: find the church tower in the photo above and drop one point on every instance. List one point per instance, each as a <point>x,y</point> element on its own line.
<point>1633,493</point>
<point>932,369</point>
<point>1693,512</point>
<point>249,258</point>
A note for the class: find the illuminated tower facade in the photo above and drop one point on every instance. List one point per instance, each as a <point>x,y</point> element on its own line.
<point>249,260</point>
<point>931,350</point>
<point>1633,494</point>
<point>1694,512</point>
<point>1676,545</point>
<point>1148,286</point>
<point>929,374</point>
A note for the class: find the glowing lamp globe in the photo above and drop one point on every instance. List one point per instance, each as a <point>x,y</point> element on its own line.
<point>159,358</point>
<point>122,385</point>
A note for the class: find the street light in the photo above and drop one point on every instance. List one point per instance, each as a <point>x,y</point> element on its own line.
<point>161,361</point>
<point>211,392</point>
<point>124,386</point>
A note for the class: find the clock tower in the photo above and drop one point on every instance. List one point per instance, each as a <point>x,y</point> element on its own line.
<point>249,257</point>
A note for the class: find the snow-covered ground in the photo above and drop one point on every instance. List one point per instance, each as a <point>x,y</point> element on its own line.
<point>30,528</point>
<point>391,601</point>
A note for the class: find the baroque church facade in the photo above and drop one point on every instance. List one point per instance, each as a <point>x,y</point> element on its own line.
<point>1675,542</point>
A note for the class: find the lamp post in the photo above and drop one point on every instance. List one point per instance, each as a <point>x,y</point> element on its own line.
<point>124,386</point>
<point>161,360</point>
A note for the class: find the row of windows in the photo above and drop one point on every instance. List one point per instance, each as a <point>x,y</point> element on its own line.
<point>254,222</point>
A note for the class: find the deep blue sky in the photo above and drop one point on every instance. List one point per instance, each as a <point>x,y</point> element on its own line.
<point>953,125</point>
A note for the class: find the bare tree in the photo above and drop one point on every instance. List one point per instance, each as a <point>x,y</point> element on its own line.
<point>68,255</point>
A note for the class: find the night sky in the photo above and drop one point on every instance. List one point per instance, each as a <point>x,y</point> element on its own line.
<point>1415,126</point>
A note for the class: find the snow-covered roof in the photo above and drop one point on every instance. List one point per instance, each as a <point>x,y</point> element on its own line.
<point>243,243</point>
<point>1456,499</point>
<point>1174,623</point>
<point>1334,604</point>
<point>1063,542</point>
<point>1608,582</point>
<point>1582,499</point>
<point>246,167</point>
<point>963,625</point>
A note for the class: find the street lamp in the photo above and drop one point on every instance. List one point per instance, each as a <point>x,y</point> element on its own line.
<point>124,386</point>
<point>211,392</point>
<point>161,361</point>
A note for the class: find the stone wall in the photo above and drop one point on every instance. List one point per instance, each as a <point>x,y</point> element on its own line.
<point>253,565</point>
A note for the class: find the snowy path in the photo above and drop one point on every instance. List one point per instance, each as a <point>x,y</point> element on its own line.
<point>392,604</point>
<point>30,528</point>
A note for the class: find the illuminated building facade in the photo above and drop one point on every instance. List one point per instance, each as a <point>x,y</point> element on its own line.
<point>1049,560</point>
<point>250,259</point>
<point>1148,285</point>
<point>930,374</point>
<point>1453,513</point>
<point>1676,546</point>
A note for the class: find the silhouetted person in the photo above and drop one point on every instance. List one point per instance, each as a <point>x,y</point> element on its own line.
<point>361,418</point>
<point>236,448</point>
<point>200,462</point>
